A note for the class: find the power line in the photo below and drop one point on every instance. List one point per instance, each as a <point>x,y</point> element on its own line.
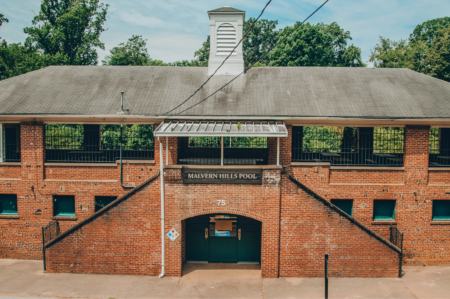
<point>248,31</point>
<point>248,68</point>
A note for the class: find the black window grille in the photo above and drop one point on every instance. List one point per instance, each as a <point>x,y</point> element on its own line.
<point>237,150</point>
<point>11,142</point>
<point>439,147</point>
<point>98,143</point>
<point>348,145</point>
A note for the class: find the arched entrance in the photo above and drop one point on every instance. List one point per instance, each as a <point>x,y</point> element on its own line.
<point>223,238</point>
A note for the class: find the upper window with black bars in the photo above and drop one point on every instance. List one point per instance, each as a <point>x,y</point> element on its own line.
<point>439,147</point>
<point>10,143</point>
<point>365,146</point>
<point>98,143</point>
<point>237,150</point>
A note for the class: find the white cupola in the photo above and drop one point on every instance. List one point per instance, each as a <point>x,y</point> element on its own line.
<point>226,25</point>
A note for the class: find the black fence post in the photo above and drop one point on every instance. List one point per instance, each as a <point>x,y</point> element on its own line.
<point>401,257</point>
<point>43,248</point>
<point>326,275</point>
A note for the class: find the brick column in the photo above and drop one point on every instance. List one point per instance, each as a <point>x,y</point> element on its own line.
<point>32,151</point>
<point>416,155</point>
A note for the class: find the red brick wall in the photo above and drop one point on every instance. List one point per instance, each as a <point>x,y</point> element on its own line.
<point>414,189</point>
<point>21,236</point>
<point>254,201</point>
<point>365,177</point>
<point>309,229</point>
<point>123,240</point>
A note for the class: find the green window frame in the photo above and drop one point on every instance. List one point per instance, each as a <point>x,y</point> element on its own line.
<point>441,210</point>
<point>8,204</point>
<point>64,206</point>
<point>103,201</point>
<point>345,205</point>
<point>384,210</point>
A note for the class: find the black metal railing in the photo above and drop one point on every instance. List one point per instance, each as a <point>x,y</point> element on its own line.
<point>439,147</point>
<point>348,146</point>
<point>50,231</point>
<point>396,238</point>
<point>237,151</point>
<point>11,137</point>
<point>98,143</point>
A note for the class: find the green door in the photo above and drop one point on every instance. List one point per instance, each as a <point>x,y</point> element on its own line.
<point>249,242</point>
<point>223,250</point>
<point>197,245</point>
<point>203,245</point>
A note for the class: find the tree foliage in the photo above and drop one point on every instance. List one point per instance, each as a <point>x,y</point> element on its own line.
<point>427,51</point>
<point>69,27</point>
<point>315,45</point>
<point>71,137</point>
<point>261,37</point>
<point>391,54</point>
<point>17,59</point>
<point>133,52</point>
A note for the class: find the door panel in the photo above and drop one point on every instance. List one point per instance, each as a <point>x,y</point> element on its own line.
<point>197,246</point>
<point>223,250</point>
<point>249,246</point>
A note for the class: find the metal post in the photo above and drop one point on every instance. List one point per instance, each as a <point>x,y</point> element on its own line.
<point>278,151</point>
<point>43,248</point>
<point>161,175</point>
<point>167,150</point>
<point>326,275</point>
<point>401,257</point>
<point>221,152</point>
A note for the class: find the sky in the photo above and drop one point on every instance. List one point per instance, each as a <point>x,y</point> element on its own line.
<point>175,29</point>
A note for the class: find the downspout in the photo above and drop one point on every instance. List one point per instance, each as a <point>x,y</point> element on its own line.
<point>161,171</point>
<point>121,166</point>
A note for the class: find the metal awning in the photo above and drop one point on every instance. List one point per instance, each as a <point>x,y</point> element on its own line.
<point>222,128</point>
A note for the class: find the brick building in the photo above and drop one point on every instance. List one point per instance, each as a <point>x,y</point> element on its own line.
<point>278,168</point>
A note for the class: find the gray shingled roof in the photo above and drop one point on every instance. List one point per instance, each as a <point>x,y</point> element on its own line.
<point>226,9</point>
<point>277,91</point>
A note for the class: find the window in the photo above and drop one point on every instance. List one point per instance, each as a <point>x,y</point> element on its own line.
<point>103,201</point>
<point>384,210</point>
<point>441,210</point>
<point>237,150</point>
<point>8,204</point>
<point>97,143</point>
<point>377,146</point>
<point>439,147</point>
<point>64,205</point>
<point>345,205</point>
<point>10,143</point>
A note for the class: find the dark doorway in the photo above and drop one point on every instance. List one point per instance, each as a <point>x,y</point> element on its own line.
<point>223,238</point>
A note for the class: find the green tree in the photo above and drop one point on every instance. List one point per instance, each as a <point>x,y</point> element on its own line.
<point>203,53</point>
<point>426,32</point>
<point>17,59</point>
<point>69,27</point>
<point>392,54</point>
<point>133,52</point>
<point>3,20</point>
<point>427,50</point>
<point>315,45</point>
<point>261,37</point>
<point>436,60</point>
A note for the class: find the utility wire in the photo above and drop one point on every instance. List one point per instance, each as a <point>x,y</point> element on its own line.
<point>248,68</point>
<point>232,51</point>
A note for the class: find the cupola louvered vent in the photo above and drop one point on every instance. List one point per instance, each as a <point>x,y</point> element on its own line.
<point>226,39</point>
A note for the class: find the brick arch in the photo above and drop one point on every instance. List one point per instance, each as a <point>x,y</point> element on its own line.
<point>218,210</point>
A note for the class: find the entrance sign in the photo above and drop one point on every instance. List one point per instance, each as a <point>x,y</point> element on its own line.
<point>222,176</point>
